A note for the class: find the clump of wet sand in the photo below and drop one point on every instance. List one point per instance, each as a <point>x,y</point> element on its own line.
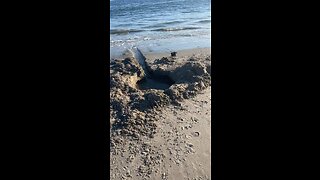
<point>135,112</point>
<point>129,103</point>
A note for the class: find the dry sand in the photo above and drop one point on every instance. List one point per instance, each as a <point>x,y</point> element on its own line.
<point>170,139</point>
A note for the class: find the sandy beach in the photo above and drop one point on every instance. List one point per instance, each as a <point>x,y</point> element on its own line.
<point>161,116</point>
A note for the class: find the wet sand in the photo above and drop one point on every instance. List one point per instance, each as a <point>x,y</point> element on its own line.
<point>180,54</point>
<point>169,139</point>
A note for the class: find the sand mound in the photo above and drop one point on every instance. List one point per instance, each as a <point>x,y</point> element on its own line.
<point>133,109</point>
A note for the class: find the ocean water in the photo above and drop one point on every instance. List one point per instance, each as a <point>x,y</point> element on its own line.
<point>159,25</point>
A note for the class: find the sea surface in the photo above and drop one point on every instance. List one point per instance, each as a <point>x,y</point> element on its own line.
<point>159,25</point>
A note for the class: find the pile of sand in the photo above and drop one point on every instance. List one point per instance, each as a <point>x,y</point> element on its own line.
<point>132,108</point>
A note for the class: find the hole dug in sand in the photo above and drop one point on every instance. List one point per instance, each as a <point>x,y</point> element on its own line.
<point>160,83</point>
<point>135,90</point>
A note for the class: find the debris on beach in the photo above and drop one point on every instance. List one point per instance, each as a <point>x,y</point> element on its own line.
<point>173,54</point>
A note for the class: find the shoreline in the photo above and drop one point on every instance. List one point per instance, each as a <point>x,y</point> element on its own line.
<point>183,53</point>
<point>180,53</point>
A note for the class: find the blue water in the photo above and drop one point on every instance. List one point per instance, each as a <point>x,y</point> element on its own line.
<point>159,25</point>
